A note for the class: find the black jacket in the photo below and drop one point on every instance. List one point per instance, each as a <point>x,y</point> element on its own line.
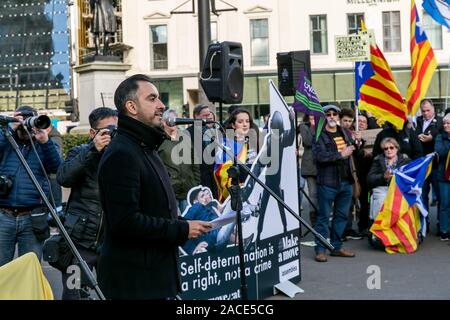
<point>203,173</point>
<point>328,159</point>
<point>139,256</point>
<point>84,211</point>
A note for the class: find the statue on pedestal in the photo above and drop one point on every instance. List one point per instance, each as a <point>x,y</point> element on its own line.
<point>104,22</point>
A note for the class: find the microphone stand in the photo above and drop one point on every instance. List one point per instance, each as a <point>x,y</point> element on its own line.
<point>238,165</point>
<point>302,190</point>
<point>83,265</point>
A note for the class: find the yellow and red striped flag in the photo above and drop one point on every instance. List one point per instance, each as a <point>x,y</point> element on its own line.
<point>423,63</point>
<point>224,162</point>
<point>376,90</point>
<point>397,225</point>
<point>403,214</point>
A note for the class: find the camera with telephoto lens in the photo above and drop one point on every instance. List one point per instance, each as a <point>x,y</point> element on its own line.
<point>5,186</point>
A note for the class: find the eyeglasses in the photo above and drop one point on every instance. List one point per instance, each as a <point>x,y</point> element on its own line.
<point>331,114</point>
<point>389,148</point>
<point>111,127</point>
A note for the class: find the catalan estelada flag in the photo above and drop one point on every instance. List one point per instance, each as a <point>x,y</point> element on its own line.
<point>224,162</point>
<point>376,90</point>
<point>447,167</point>
<point>423,63</point>
<point>403,214</point>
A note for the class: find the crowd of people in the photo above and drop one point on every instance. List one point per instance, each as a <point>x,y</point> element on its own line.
<point>329,167</point>
<point>132,204</point>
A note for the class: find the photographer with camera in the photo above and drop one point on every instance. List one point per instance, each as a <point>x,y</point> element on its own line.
<point>84,212</point>
<point>20,201</point>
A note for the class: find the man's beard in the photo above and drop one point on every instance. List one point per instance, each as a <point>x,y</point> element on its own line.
<point>332,124</point>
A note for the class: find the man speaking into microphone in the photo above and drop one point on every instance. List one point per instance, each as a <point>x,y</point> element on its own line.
<point>139,257</point>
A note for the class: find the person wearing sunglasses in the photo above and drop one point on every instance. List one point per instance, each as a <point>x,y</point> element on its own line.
<point>332,154</point>
<point>381,172</point>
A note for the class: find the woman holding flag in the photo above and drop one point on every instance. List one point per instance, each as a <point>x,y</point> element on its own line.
<point>242,137</point>
<point>442,148</point>
<point>381,172</point>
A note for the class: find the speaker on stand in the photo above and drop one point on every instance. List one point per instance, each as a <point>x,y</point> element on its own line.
<point>222,76</point>
<point>289,66</point>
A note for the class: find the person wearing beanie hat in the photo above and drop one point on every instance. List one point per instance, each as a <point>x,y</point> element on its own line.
<point>331,107</point>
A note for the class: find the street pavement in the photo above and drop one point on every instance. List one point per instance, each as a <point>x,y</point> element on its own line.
<point>421,275</point>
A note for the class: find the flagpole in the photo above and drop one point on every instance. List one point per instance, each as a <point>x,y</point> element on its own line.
<point>446,89</point>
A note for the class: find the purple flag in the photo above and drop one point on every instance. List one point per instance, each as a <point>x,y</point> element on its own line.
<point>306,101</point>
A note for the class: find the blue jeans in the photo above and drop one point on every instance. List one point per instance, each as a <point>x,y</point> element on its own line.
<point>301,185</point>
<point>17,230</point>
<point>342,198</point>
<point>444,210</point>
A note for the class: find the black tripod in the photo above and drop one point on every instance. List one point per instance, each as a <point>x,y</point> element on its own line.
<point>236,205</point>
<point>83,265</point>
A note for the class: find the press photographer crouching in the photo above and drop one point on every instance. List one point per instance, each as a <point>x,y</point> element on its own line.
<point>83,220</point>
<point>23,219</point>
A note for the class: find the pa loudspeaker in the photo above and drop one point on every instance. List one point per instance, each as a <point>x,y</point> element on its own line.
<point>289,66</point>
<point>222,76</point>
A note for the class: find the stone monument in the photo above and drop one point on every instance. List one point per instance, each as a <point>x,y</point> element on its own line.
<point>100,74</point>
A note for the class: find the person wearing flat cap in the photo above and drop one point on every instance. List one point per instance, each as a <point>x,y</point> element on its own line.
<point>332,153</point>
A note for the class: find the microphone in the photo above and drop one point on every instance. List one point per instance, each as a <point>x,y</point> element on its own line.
<point>5,120</point>
<point>171,122</point>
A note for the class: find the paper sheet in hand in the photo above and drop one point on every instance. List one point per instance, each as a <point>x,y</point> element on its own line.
<point>224,219</point>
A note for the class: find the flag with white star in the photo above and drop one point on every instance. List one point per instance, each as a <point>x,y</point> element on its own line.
<point>403,213</point>
<point>423,63</point>
<point>363,72</point>
<point>410,179</point>
<point>376,90</point>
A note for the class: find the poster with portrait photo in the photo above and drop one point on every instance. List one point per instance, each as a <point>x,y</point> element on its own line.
<point>209,266</point>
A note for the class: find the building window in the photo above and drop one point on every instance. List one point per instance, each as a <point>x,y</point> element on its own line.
<point>158,47</point>
<point>318,26</point>
<point>214,31</point>
<point>259,34</point>
<point>391,31</point>
<point>354,22</point>
<point>35,59</point>
<point>433,31</point>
